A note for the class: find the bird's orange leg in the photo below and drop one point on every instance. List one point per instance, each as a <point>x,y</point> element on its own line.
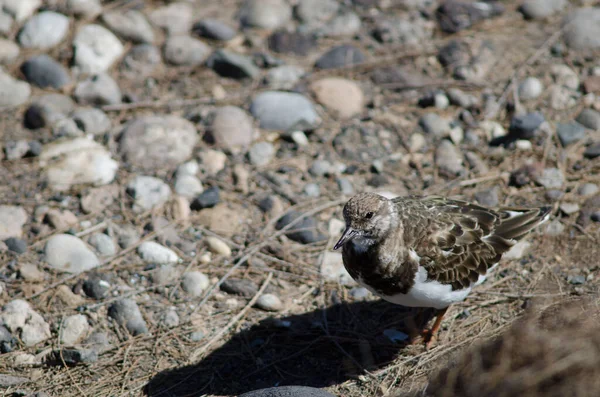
<point>430,335</point>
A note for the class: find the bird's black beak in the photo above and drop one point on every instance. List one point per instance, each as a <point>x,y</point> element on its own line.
<point>348,235</point>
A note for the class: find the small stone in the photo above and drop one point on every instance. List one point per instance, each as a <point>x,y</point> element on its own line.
<point>61,220</point>
<point>524,126</point>
<point>312,190</point>
<point>332,268</point>
<point>569,208</point>
<point>142,60</point>
<point>186,51</point>
<point>86,9</point>
<point>583,31</point>
<point>345,186</point>
<point>130,25</point>
<point>591,85</point>
<point>21,10</point>
<point>342,97</point>
<point>44,30</point>
<point>152,252</point>
<point>564,76</point>
<point>524,145</point>
<point>592,151</point>
<point>96,287</point>
<point>229,64</point>
<point>304,231</point>
<point>261,153</point>
<point>171,318</point>
<point>555,228</point>
<point>30,272</point>
<point>73,329</point>
<point>589,118</point>
<point>269,303</point>
<point>92,121</point>
<point>16,149</point>
<point>43,71</point>
<point>72,357</point>
<point>9,380</point>
<point>148,192</point>
<point>284,111</point>
<point>265,14</point>
<point>47,109</point>
<point>433,124</point>
<point>569,133</point>
<point>13,92</point>
<point>460,98</point>
<point>218,246</point>
<point>127,314</point>
<point>241,287</point>
<point>296,43</point>
<point>16,245</point>
<point>98,90</point>
<point>576,280</point>
<point>194,283</point>
<point>346,24</point>
<point>316,11</point>
<point>587,189</point>
<point>98,199</point>
<point>530,88</point>
<point>96,49</point>
<point>539,9</point>
<point>20,319</point>
<point>454,16</point>
<point>449,159</point>
<point>213,161</point>
<point>340,56</point>
<point>207,199</point>
<point>488,197</point>
<point>320,168</point>
<point>214,30</point>
<point>551,178</point>
<point>175,18</point>
<point>104,244</point>
<point>284,77</point>
<point>165,274</point>
<point>12,220</point>
<point>517,251</point>
<point>68,253</point>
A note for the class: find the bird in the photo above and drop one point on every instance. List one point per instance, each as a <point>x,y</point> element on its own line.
<point>428,251</point>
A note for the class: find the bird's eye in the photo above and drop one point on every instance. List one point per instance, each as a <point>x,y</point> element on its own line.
<point>369,215</point>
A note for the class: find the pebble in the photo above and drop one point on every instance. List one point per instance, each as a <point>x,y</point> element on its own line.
<point>98,199</point>
<point>165,274</point>
<point>96,49</point>
<point>130,25</point>
<point>569,133</point>
<point>409,30</point>
<point>66,128</point>
<point>304,232</point>
<point>12,220</point>
<point>67,253</point>
<point>232,128</point>
<point>569,208</point>
<point>72,357</point>
<point>230,64</point>
<point>214,29</point>
<point>312,190</point>
<point>539,9</point>
<point>73,329</point>
<point>60,219</point>
<point>269,303</point>
<point>564,76</point>
<point>186,51</point>
<point>488,197</point>
<point>576,280</point>
<point>207,199</point>
<point>98,90</point>
<point>284,111</point>
<point>299,138</point>
<point>434,124</point>
<point>16,245</point>
<point>524,126</point>
<point>127,314</point>
<point>341,96</point>
<point>340,56</point>
<point>332,268</point>
<point>103,243</point>
<point>288,391</point>
<point>345,186</point>
<point>188,186</point>
<point>141,61</point>
<point>44,30</point>
<point>551,178</point>
<point>589,118</point>
<point>21,320</point>
<point>9,51</point>
<point>92,121</point>
<point>45,110</point>
<point>9,380</point>
<point>194,283</point>
<point>517,251</point>
<point>261,153</point>
<point>30,272</point>
<point>86,9</point>
<point>296,43</point>
<point>176,18</point>
<point>13,92</point>
<point>346,24</point>
<point>460,98</point>
<point>454,16</point>
<point>213,161</point>
<point>592,151</point>
<point>241,287</point>
<point>158,142</point>
<point>555,228</point>
<point>15,150</point>
<point>530,88</point>
<point>320,168</point>
<point>284,77</point>
<point>584,29</point>
<point>171,318</point>
<point>587,189</point>
<point>43,71</point>
<point>316,11</point>
<point>148,192</point>
<point>265,14</point>
<point>20,10</point>
<point>449,159</point>
<point>96,287</point>
<point>218,246</point>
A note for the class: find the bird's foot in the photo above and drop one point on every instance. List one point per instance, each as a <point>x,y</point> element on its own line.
<point>426,337</point>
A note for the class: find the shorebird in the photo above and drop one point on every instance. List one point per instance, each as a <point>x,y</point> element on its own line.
<point>428,251</point>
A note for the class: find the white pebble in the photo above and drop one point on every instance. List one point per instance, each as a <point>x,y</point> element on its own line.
<point>218,246</point>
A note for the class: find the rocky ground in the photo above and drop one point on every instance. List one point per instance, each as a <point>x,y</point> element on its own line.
<point>172,176</point>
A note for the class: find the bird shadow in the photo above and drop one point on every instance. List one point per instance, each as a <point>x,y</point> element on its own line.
<point>318,349</point>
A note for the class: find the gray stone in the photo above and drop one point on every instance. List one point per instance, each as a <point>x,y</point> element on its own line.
<point>295,43</point>
<point>127,314</point>
<point>230,64</point>
<point>551,178</point>
<point>92,120</point>
<point>45,110</point>
<point>194,283</point>
<point>20,319</point>
<point>164,274</point>
<point>345,186</point>
<point>434,124</point>
<point>171,318</point>
<point>592,151</point>
<point>67,253</point>
<point>312,190</point>
<point>320,168</point>
<point>43,71</point>
<point>316,12</point>
<point>73,329</point>
<point>589,118</point>
<point>569,208</point>
<point>6,23</point>
<point>460,98</point>
<point>16,245</point>
<point>530,88</point>
<point>340,56</point>
<point>265,14</point>
<point>539,9</point>
<point>72,357</point>
<point>346,24</point>
<point>96,49</point>
<point>411,29</point>
<point>186,51</point>
<point>232,128</point>
<point>175,18</point>
<point>261,153</point>
<point>304,231</point>
<point>569,133</point>
<point>188,186</point>
<point>103,243</point>
<point>66,128</point>
<point>288,391</point>
<point>96,287</point>
<point>20,10</point>
<point>517,251</point>
<point>454,16</point>
<point>524,126</point>
<point>241,287</point>
<point>488,197</point>
<point>449,159</point>
<point>360,293</point>
<point>158,142</point>
<point>269,303</point>
<point>588,189</point>
<point>44,30</point>
<point>141,60</point>
<point>207,199</point>
<point>565,76</point>
<point>555,228</point>
<point>15,150</point>
<point>214,29</point>
<point>582,29</point>
<point>98,90</point>
<point>87,9</point>
<point>13,92</point>
<point>284,111</point>
<point>148,192</point>
<point>9,51</point>
<point>284,77</point>
<point>130,25</point>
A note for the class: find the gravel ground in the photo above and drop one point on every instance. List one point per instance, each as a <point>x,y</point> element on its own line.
<point>173,172</point>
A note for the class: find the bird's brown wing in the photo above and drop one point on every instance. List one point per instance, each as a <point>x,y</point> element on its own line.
<point>466,239</point>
